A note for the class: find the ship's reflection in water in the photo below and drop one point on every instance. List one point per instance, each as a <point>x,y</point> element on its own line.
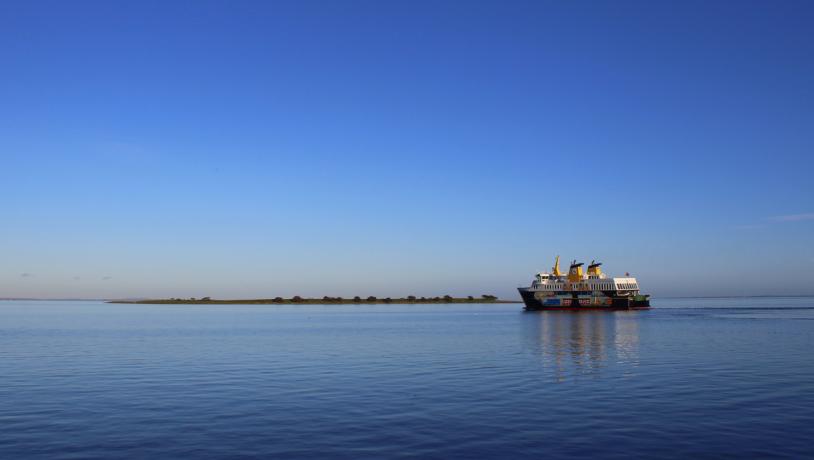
<point>583,343</point>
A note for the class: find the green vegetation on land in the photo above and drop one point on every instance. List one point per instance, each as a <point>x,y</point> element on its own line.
<point>297,300</point>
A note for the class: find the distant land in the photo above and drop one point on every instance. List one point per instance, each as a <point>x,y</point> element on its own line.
<point>297,300</point>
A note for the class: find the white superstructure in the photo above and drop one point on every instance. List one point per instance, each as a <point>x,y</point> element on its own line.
<point>576,288</point>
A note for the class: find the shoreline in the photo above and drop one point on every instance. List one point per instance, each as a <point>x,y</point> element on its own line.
<point>320,301</point>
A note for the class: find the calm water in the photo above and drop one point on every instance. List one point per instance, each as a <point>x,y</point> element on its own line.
<point>708,377</point>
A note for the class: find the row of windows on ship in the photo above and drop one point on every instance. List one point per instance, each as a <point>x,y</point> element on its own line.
<point>601,286</point>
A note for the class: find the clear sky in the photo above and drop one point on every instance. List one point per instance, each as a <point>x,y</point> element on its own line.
<point>254,149</point>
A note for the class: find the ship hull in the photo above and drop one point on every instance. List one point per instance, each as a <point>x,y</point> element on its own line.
<point>576,303</point>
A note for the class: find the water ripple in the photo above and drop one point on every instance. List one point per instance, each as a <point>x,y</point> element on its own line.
<point>90,380</point>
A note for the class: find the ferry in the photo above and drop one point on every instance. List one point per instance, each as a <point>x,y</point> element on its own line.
<point>583,291</point>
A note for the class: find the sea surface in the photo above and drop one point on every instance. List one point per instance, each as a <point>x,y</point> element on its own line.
<point>702,378</point>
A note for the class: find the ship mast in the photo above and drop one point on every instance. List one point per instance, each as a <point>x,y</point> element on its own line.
<point>556,269</point>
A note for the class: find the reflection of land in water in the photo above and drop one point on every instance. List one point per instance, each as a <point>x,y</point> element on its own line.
<point>583,342</point>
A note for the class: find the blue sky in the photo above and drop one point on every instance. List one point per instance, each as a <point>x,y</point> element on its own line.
<point>245,149</point>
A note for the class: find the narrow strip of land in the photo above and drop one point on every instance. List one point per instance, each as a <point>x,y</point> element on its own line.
<point>297,300</point>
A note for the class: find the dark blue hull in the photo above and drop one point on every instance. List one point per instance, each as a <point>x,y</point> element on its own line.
<point>575,303</point>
